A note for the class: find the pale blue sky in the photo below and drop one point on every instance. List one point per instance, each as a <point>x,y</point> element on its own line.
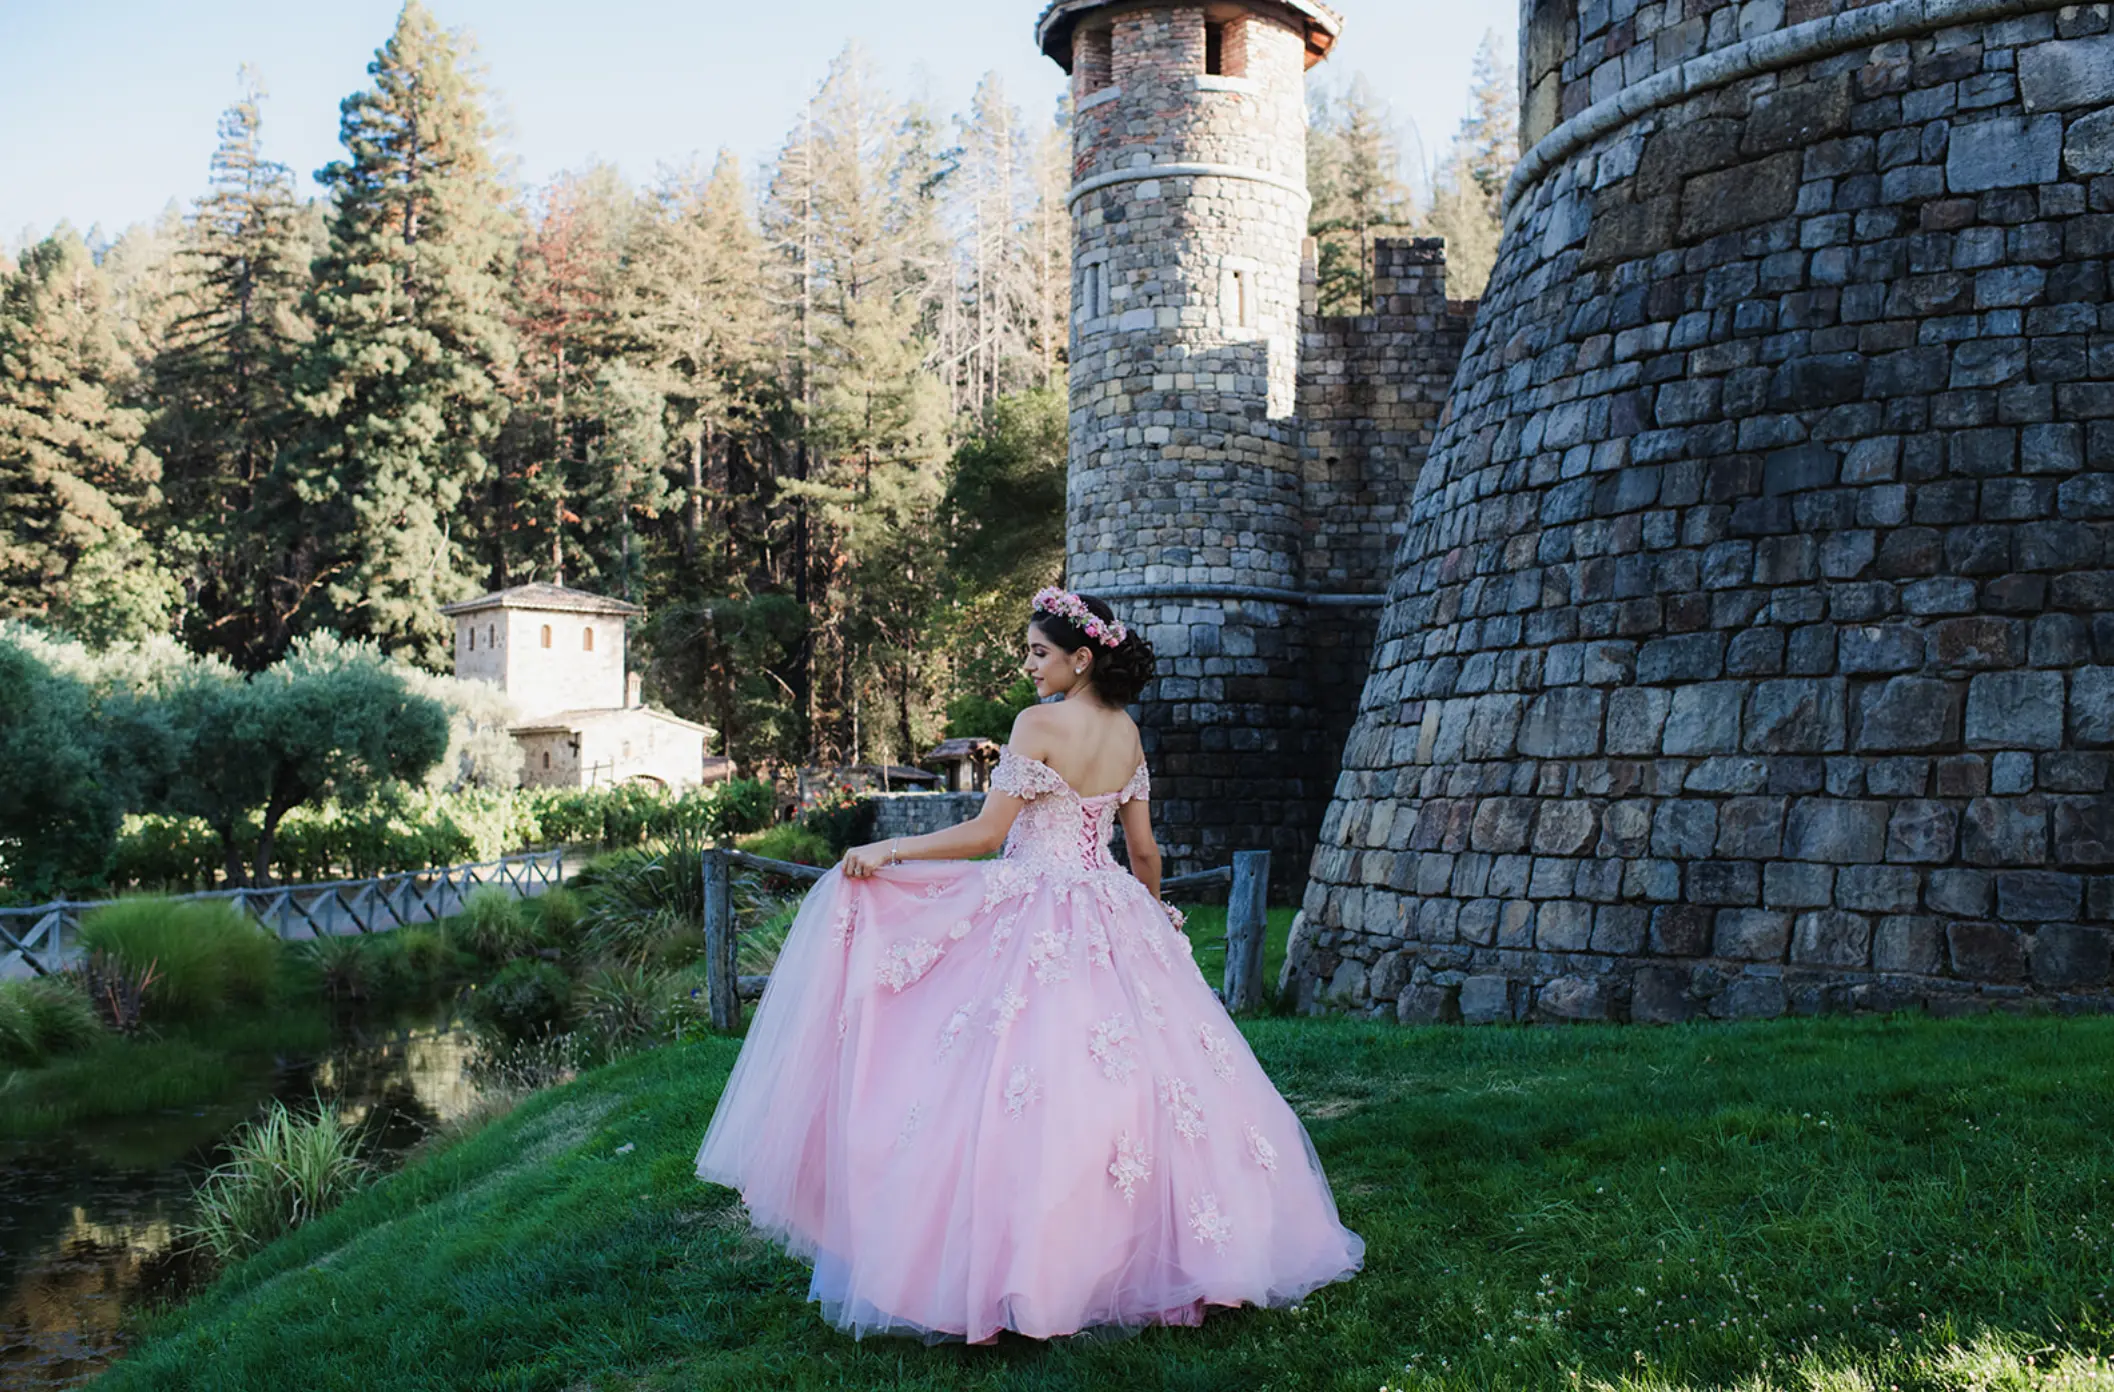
<point>107,108</point>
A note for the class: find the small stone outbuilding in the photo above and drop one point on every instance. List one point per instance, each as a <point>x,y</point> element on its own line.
<point>558,654</point>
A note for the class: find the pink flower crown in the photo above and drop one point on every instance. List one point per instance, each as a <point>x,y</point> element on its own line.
<point>1109,633</point>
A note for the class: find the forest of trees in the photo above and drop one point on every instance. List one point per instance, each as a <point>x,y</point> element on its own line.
<point>811,416</point>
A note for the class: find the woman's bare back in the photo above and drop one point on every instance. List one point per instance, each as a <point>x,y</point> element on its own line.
<point>1092,747</point>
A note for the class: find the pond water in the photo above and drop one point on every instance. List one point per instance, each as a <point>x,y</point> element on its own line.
<point>89,1220</point>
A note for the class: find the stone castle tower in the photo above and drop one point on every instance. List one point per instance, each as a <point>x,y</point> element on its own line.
<point>1239,466</point>
<point>1751,645</point>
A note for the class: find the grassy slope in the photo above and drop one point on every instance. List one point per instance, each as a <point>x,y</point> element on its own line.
<point>1803,1204</point>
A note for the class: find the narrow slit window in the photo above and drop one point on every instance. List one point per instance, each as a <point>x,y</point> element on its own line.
<point>1215,50</point>
<point>546,635</point>
<point>587,640</point>
<point>1093,60</point>
<point>473,640</point>
<point>491,635</point>
<point>546,758</point>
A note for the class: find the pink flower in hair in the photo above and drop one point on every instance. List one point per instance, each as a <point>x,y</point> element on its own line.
<point>1065,605</point>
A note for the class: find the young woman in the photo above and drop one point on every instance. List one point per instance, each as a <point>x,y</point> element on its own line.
<point>986,1095</point>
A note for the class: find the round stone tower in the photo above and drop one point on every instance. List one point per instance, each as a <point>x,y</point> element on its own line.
<point>1752,643</point>
<point>1185,502</point>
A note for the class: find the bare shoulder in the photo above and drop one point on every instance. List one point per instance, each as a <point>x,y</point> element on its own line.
<point>1033,731</point>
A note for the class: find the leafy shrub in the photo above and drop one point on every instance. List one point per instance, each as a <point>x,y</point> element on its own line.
<point>557,913</point>
<point>790,841</point>
<point>526,999</point>
<point>283,1170</point>
<point>843,819</point>
<point>204,953</point>
<point>421,954</point>
<point>741,806</point>
<point>972,716</point>
<point>401,828</point>
<point>493,926</point>
<point>44,1016</point>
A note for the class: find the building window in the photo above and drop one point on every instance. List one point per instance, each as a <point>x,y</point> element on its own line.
<point>491,635</point>
<point>546,758</point>
<point>1093,290</point>
<point>473,640</point>
<point>627,749</point>
<point>587,640</point>
<point>1093,60</point>
<point>1240,299</point>
<point>1226,48</point>
<point>546,635</point>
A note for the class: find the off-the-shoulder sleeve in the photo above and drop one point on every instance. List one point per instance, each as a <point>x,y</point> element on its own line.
<point>1139,787</point>
<point>1024,777</point>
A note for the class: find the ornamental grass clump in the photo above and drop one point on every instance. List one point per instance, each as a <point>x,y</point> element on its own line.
<point>621,1009</point>
<point>202,955</point>
<point>44,1017</point>
<point>644,908</point>
<point>283,1169</point>
<point>493,926</point>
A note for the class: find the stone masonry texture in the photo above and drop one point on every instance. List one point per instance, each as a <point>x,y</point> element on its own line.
<point>1241,467</point>
<point>1750,643</point>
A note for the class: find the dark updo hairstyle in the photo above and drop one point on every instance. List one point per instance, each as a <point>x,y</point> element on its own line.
<point>1118,673</point>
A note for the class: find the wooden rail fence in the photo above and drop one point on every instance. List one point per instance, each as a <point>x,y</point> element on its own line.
<point>46,938</point>
<point>1247,879</point>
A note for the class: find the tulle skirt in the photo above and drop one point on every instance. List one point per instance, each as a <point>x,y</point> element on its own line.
<point>997,1095</point>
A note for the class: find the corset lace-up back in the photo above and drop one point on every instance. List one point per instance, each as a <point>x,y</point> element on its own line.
<point>1059,828</point>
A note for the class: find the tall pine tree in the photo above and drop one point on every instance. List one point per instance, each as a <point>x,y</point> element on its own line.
<point>1354,167</point>
<point>401,386</point>
<point>565,291</point>
<point>1467,206</point>
<point>221,385</point>
<point>77,485</point>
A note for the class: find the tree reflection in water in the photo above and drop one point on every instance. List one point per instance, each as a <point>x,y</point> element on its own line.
<point>89,1222</point>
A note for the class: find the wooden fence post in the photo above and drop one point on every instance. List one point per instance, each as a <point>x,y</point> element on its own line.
<point>722,989</point>
<point>1247,922</point>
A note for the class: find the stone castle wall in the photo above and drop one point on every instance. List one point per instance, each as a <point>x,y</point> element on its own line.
<point>1751,647</point>
<point>1185,504</point>
<point>1240,469</point>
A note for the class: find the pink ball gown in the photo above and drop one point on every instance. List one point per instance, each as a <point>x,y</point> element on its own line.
<point>986,1095</point>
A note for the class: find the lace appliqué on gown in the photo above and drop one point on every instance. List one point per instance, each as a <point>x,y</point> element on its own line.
<point>1261,1150</point>
<point>1131,1167</point>
<point>1110,1047</point>
<point>1006,1008</point>
<point>1208,1223</point>
<point>950,1033</point>
<point>1184,1110</point>
<point>1220,1052</point>
<point>1021,1090</point>
<point>907,961</point>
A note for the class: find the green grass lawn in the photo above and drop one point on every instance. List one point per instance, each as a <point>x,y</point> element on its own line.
<point>1206,926</point>
<point>1811,1204</point>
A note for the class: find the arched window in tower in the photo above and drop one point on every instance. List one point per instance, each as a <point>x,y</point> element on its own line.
<point>1093,290</point>
<point>1093,60</point>
<point>587,640</point>
<point>546,635</point>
